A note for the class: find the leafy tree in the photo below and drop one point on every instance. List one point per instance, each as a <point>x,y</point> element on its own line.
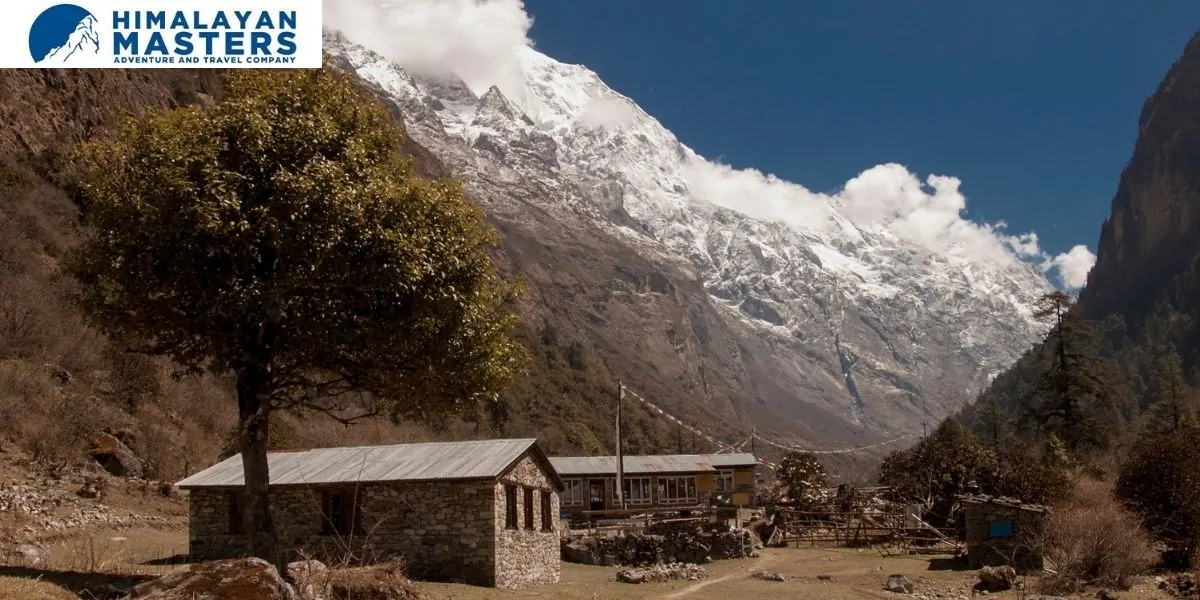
<point>1073,387</point>
<point>953,461</point>
<point>938,468</point>
<point>1160,482</point>
<point>281,237</point>
<point>803,476</point>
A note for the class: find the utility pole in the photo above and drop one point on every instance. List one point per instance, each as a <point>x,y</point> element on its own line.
<point>620,452</point>
<point>679,440</point>
<point>753,436</point>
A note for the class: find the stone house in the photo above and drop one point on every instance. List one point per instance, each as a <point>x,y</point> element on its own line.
<point>481,512</point>
<point>680,481</point>
<point>1003,531</point>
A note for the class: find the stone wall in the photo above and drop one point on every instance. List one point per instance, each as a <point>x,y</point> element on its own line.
<point>683,546</point>
<point>444,531</point>
<point>1018,550</point>
<point>527,557</point>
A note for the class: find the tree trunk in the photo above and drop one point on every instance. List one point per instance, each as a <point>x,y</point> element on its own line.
<point>254,414</point>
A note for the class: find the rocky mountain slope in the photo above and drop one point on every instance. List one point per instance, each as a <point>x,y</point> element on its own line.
<point>1153,233</point>
<point>1143,293</point>
<point>818,326</point>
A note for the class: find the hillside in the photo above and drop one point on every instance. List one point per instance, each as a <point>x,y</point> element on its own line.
<point>1143,295</point>
<point>61,382</point>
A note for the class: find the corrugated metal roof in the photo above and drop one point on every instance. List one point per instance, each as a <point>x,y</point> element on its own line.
<point>1000,501</point>
<point>666,463</point>
<point>440,461</point>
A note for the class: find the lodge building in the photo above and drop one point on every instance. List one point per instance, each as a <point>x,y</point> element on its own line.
<point>682,481</point>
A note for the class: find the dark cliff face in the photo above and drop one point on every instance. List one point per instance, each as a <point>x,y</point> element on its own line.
<point>1153,234</point>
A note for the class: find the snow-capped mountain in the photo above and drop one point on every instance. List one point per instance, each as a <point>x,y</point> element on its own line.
<point>84,40</point>
<point>819,325</point>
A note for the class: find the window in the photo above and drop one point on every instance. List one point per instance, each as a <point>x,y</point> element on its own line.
<point>572,492</point>
<point>339,511</point>
<point>528,508</point>
<point>547,511</point>
<point>676,490</point>
<point>725,481</point>
<point>510,506</point>
<point>637,490</point>
<point>1000,528</point>
<point>235,513</point>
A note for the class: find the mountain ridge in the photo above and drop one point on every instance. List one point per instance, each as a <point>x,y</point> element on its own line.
<point>855,322</point>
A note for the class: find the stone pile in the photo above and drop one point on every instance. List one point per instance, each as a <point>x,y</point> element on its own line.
<point>48,508</point>
<point>665,572</point>
<point>1181,585</point>
<point>635,549</point>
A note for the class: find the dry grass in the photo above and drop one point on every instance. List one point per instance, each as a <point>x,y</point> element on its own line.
<point>18,588</point>
<point>1092,541</point>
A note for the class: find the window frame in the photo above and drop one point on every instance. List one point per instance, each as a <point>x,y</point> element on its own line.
<point>547,501</point>
<point>348,520</point>
<point>527,500</point>
<point>236,525</point>
<point>725,481</point>
<point>646,495</point>
<point>572,494</point>
<point>677,490</point>
<point>510,506</point>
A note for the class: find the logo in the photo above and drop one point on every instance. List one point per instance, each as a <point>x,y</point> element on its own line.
<point>61,33</point>
<point>146,34</point>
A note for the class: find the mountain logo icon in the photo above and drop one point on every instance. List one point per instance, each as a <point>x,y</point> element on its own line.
<point>63,33</point>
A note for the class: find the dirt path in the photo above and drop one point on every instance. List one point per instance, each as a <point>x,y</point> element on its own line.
<point>765,559</point>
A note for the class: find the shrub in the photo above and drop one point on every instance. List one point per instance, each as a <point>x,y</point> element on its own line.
<point>1092,540</point>
<point>1160,482</point>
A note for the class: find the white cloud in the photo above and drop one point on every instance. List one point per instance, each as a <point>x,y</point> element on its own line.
<point>479,39</point>
<point>1073,266</point>
<point>883,198</point>
<point>474,39</point>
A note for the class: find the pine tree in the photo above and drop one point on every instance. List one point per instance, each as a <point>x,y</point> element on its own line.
<point>1073,389</point>
<point>1171,407</point>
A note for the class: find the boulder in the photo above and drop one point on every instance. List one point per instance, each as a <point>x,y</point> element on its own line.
<point>997,579</point>
<point>770,576</point>
<point>311,580</point>
<point>898,584</point>
<point>27,555</point>
<point>235,579</point>
<point>116,458</point>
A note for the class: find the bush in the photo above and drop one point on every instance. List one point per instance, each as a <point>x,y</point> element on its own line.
<point>1160,482</point>
<point>1092,540</point>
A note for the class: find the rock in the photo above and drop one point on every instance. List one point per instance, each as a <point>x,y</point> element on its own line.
<point>311,580</point>
<point>89,490</point>
<point>236,579</point>
<point>1106,595</point>
<point>28,555</point>
<point>825,577</point>
<point>667,572</point>
<point>770,576</point>
<point>116,458</point>
<point>996,579</point>
<point>898,584</point>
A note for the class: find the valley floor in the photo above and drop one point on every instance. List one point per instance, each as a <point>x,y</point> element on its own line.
<point>134,533</point>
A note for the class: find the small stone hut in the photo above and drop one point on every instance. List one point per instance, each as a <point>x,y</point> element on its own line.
<point>1002,531</point>
<point>480,512</point>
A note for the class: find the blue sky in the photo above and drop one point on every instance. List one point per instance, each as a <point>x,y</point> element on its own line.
<point>1032,104</point>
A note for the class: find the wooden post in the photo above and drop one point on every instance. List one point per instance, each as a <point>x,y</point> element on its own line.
<point>620,451</point>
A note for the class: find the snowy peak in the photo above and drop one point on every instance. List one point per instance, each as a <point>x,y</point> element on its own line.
<point>879,290</point>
